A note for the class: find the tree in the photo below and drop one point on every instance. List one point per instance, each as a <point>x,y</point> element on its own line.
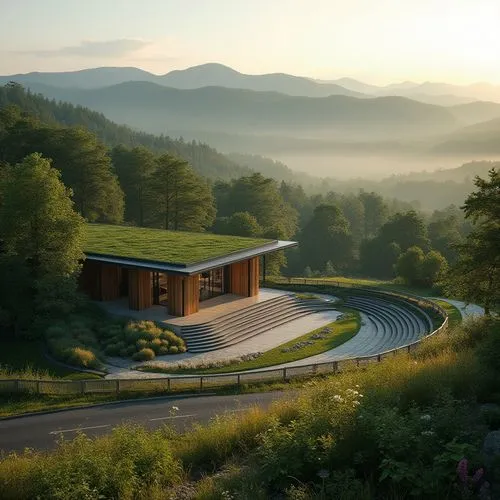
<point>260,197</point>
<point>405,229</point>
<point>444,236</point>
<point>354,211</point>
<point>326,238</point>
<point>375,212</point>
<point>409,265</point>
<point>42,235</point>
<point>476,275</point>
<point>134,167</point>
<point>433,268</point>
<point>83,161</point>
<point>378,258</point>
<point>239,224</point>
<point>179,198</point>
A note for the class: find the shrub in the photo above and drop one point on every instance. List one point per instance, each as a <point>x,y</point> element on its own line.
<point>141,344</point>
<point>173,349</point>
<point>112,350</point>
<point>155,344</point>
<point>163,350</point>
<point>145,354</point>
<point>83,357</point>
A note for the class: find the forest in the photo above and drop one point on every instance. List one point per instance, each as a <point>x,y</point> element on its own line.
<point>141,180</point>
<point>120,176</point>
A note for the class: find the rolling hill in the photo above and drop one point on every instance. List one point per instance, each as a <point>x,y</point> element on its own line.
<point>158,109</point>
<point>480,139</point>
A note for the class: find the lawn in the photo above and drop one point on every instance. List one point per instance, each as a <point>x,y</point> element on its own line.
<point>341,331</point>
<point>454,315</point>
<point>158,245</point>
<point>357,282</point>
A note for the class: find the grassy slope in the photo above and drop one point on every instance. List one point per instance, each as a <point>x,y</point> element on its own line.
<point>342,331</point>
<point>454,316</point>
<point>27,356</point>
<point>176,247</point>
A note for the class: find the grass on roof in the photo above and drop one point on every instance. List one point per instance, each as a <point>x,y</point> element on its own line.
<point>174,247</point>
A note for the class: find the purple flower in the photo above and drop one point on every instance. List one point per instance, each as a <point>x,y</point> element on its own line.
<point>462,470</point>
<point>478,475</point>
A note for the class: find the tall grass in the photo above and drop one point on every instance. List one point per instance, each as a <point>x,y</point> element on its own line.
<point>129,463</point>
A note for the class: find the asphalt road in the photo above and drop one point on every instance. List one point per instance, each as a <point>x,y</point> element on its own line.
<point>41,432</point>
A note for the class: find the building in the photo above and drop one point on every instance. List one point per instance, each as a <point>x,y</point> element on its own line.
<point>171,268</point>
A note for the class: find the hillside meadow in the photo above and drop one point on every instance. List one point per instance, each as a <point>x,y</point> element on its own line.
<point>396,430</point>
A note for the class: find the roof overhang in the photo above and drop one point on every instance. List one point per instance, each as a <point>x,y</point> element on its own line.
<point>195,268</point>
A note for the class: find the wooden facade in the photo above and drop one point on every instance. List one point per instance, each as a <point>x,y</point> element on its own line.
<point>101,281</point>
<point>140,293</point>
<point>183,294</point>
<point>244,277</point>
<point>104,282</point>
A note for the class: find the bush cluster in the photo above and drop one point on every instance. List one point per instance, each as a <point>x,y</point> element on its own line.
<point>75,343</point>
<point>140,340</point>
<point>86,341</point>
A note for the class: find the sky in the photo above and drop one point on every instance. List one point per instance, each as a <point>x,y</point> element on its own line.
<point>378,41</point>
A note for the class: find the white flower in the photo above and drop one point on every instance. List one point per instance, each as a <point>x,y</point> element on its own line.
<point>356,403</point>
<point>425,418</point>
<point>338,398</point>
<point>427,433</point>
<point>323,474</point>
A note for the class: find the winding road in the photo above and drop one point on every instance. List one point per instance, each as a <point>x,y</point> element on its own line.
<point>41,432</point>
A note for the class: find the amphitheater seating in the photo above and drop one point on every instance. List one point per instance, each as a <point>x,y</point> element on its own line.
<point>394,323</point>
<point>253,320</point>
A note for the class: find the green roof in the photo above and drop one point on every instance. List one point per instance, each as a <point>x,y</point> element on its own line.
<point>158,245</point>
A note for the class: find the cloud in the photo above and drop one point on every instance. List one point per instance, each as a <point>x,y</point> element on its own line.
<point>101,49</point>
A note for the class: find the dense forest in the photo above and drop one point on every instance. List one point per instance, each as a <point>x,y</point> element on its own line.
<point>117,175</point>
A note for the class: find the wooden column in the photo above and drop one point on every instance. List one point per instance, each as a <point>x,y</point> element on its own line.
<point>140,294</point>
<point>254,276</point>
<point>244,277</point>
<point>183,294</point>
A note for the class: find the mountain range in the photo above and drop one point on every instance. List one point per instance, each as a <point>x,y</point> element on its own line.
<point>280,113</point>
<point>218,75</point>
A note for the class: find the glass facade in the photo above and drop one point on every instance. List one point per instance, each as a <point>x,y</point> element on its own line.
<point>212,284</point>
<point>159,285</point>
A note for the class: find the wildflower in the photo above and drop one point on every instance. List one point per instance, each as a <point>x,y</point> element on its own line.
<point>338,398</point>
<point>323,474</point>
<point>478,475</point>
<point>175,408</point>
<point>462,469</point>
<point>356,403</point>
<point>425,418</point>
<point>427,433</point>
<point>357,386</point>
